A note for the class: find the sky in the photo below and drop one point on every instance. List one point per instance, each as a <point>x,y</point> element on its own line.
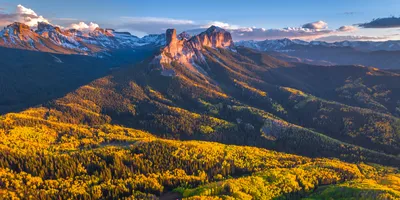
<point>330,20</point>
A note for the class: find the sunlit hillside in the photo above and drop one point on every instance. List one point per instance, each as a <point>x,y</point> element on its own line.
<point>212,122</point>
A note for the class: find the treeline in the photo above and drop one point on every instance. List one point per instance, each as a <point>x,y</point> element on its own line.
<point>148,168</point>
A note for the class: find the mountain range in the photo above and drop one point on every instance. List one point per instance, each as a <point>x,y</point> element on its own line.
<point>52,39</point>
<point>104,42</point>
<point>284,45</point>
<point>377,54</point>
<point>195,117</point>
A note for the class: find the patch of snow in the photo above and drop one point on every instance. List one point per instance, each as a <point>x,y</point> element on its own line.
<point>56,59</point>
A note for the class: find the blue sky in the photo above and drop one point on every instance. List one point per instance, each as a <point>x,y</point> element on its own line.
<point>143,17</point>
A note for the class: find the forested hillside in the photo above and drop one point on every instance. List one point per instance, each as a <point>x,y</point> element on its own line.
<point>44,159</point>
<point>203,119</point>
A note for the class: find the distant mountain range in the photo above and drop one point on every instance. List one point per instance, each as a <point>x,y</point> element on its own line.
<point>376,54</point>
<point>284,45</point>
<point>48,38</point>
<point>108,42</point>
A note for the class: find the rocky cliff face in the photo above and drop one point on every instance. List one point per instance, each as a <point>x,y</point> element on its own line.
<point>174,46</point>
<point>20,36</point>
<point>184,36</point>
<point>44,27</point>
<point>214,37</point>
<point>98,32</point>
<point>65,39</point>
<point>187,50</point>
<point>18,28</point>
<point>15,30</point>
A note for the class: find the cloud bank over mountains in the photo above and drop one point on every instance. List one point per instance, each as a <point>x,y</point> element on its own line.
<point>31,18</point>
<point>82,26</point>
<point>155,25</point>
<point>23,15</point>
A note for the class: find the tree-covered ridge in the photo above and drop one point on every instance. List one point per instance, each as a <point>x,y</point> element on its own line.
<point>318,180</point>
<point>45,159</point>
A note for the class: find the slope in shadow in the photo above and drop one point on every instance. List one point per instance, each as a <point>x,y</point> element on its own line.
<point>29,78</point>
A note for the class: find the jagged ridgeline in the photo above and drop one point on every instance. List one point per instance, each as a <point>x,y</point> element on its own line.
<point>48,38</point>
<point>47,63</point>
<point>204,119</point>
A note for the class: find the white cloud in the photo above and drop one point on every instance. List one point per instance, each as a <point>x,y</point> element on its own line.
<point>347,28</point>
<point>220,24</point>
<point>82,26</point>
<point>29,17</point>
<point>337,38</point>
<point>316,25</point>
<point>22,10</point>
<point>140,20</point>
<point>23,15</point>
<point>291,32</point>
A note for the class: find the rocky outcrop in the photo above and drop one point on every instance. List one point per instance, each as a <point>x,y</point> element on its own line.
<point>19,35</point>
<point>42,27</point>
<point>173,46</point>
<point>100,32</point>
<point>214,37</point>
<point>18,28</point>
<point>184,36</point>
<point>170,36</point>
<point>73,32</point>
<point>188,50</point>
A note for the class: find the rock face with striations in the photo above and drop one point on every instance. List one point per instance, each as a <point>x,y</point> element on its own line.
<point>170,36</point>
<point>42,26</point>
<point>48,31</point>
<point>19,28</point>
<point>100,32</point>
<point>18,34</point>
<point>173,45</point>
<point>214,37</point>
<point>184,36</point>
<point>188,50</point>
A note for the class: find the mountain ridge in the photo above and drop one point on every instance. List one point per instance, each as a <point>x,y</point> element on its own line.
<point>376,54</point>
<point>282,44</point>
<point>49,38</point>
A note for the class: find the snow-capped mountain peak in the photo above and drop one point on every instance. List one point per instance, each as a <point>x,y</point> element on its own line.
<point>289,45</point>
<point>49,38</point>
